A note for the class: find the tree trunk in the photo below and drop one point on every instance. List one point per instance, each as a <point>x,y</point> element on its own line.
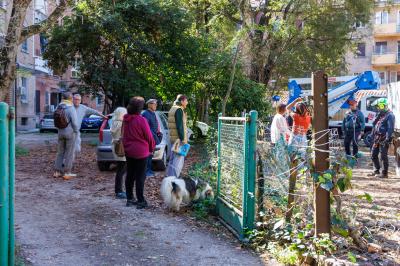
<point>9,52</point>
<point>17,33</point>
<point>206,114</point>
<point>228,93</point>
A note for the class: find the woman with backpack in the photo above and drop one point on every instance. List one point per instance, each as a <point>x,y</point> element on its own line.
<point>116,133</point>
<point>352,127</point>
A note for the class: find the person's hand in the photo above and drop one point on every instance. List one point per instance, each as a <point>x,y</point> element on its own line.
<point>298,100</point>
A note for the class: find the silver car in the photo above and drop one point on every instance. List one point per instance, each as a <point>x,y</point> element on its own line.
<point>47,123</point>
<point>105,156</point>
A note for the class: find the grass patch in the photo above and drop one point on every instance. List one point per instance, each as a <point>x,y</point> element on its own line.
<point>21,151</point>
<point>202,209</point>
<point>19,259</point>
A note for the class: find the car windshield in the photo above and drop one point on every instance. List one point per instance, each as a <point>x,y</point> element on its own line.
<point>48,117</point>
<point>95,116</point>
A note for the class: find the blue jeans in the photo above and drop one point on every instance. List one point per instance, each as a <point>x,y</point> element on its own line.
<point>148,170</point>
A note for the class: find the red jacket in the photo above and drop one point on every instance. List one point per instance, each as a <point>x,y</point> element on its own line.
<point>137,139</point>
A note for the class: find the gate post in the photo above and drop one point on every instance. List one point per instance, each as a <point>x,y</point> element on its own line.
<point>4,184</point>
<point>11,242</point>
<point>219,161</point>
<point>250,201</point>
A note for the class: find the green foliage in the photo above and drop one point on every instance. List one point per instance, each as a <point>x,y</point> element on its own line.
<point>202,209</point>
<point>21,151</point>
<point>289,244</point>
<point>125,47</point>
<point>351,257</point>
<point>149,48</point>
<point>292,38</point>
<point>366,196</point>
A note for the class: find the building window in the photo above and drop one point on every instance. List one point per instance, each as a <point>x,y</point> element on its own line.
<point>381,17</point>
<point>24,121</point>
<point>393,76</point>
<point>75,70</point>
<point>382,76</point>
<point>380,47</point>
<point>359,25</point>
<point>24,46</point>
<point>360,50</point>
<point>47,100</point>
<point>24,90</point>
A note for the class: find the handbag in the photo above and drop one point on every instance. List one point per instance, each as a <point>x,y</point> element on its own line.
<point>119,145</point>
<point>179,149</point>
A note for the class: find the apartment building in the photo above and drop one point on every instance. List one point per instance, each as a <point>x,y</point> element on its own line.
<point>36,90</point>
<point>378,44</point>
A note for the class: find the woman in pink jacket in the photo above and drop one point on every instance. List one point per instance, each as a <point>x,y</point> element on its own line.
<point>138,145</point>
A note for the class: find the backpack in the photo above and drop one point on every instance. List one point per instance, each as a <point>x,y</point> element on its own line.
<point>352,121</point>
<point>60,117</point>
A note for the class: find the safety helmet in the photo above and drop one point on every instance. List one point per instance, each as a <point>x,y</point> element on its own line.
<point>381,104</point>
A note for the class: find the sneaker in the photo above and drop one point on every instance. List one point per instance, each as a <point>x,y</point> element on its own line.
<point>120,195</point>
<point>374,173</point>
<point>130,203</point>
<point>68,176</point>
<point>142,205</point>
<point>57,174</point>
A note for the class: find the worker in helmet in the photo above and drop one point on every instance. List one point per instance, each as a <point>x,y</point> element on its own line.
<point>352,127</point>
<point>381,137</point>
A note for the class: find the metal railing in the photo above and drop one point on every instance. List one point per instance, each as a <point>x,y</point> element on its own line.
<point>237,137</point>
<point>7,181</point>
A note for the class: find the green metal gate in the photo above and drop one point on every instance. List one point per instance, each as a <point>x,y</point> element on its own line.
<point>237,139</point>
<point>7,172</point>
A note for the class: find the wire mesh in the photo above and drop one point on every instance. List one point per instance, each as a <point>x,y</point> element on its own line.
<point>279,161</point>
<point>233,161</point>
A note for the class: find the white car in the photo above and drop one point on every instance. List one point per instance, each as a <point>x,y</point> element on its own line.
<point>105,156</point>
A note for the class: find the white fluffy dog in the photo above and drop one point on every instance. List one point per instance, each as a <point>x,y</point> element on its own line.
<point>176,191</point>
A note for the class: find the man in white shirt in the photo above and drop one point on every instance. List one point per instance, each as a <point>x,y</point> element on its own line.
<point>279,127</point>
<point>82,111</point>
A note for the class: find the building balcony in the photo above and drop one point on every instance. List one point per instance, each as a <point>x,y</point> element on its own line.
<point>387,30</point>
<point>41,65</point>
<point>385,59</point>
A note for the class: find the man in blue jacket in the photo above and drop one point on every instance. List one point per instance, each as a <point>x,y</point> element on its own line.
<point>151,118</point>
<point>352,127</point>
<point>382,136</point>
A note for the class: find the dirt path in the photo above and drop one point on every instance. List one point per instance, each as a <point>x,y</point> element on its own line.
<point>80,223</point>
<point>381,217</point>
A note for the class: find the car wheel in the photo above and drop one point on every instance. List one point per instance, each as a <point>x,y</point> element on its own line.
<point>161,165</point>
<point>103,166</point>
<point>368,139</point>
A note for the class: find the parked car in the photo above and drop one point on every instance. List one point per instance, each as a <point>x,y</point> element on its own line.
<point>47,123</point>
<point>92,123</point>
<point>105,156</point>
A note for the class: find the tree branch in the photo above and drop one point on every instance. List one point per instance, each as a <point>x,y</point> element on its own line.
<point>47,23</point>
